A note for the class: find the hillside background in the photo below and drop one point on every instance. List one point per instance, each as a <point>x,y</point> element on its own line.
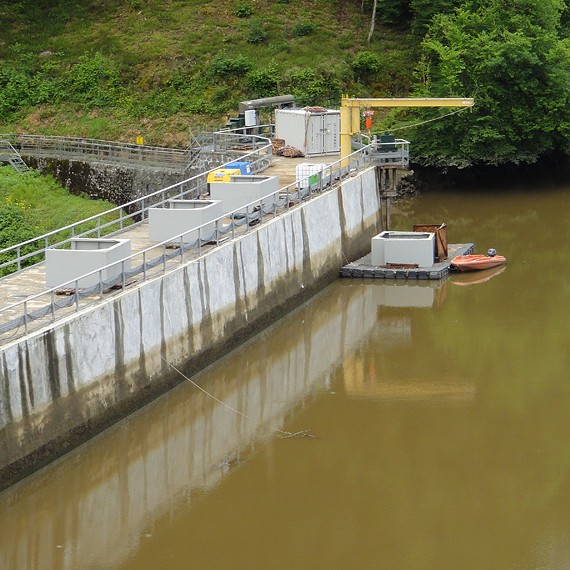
<point>164,69</point>
<point>116,69</point>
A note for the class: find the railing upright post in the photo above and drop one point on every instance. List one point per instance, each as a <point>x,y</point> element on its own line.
<point>26,317</point>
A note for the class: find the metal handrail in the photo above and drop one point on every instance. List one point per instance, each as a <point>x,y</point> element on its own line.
<point>136,210</point>
<point>240,223</point>
<point>39,145</point>
<point>111,151</point>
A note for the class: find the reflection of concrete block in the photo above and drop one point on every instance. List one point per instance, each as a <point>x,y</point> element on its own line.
<point>409,248</point>
<point>184,217</point>
<point>243,190</point>
<point>404,295</point>
<point>85,256</point>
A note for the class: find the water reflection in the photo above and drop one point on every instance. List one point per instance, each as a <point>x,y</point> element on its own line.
<point>442,423</point>
<point>178,448</point>
<point>364,371</point>
<point>476,277</point>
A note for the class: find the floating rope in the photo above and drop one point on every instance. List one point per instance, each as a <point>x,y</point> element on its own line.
<point>282,434</point>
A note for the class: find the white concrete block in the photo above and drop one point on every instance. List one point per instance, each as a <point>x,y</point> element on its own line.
<point>87,255</point>
<point>184,217</point>
<point>411,248</point>
<point>245,189</point>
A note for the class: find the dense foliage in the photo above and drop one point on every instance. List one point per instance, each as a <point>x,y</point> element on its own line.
<point>516,65</point>
<point>119,68</point>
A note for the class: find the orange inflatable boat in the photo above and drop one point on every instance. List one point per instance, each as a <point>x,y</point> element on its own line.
<point>478,262</point>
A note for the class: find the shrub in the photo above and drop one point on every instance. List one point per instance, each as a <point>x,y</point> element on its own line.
<point>256,34</point>
<point>263,82</point>
<point>314,86</point>
<point>366,65</point>
<point>243,10</point>
<point>304,29</point>
<point>94,81</point>
<point>224,66</point>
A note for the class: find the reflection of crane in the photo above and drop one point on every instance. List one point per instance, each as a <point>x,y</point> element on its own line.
<point>350,112</point>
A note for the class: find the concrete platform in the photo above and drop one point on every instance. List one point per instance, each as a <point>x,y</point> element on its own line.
<point>363,267</point>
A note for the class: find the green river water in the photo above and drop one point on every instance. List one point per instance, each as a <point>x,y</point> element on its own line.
<point>431,419</point>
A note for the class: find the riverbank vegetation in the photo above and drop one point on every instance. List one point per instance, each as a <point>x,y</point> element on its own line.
<point>32,205</point>
<point>117,69</point>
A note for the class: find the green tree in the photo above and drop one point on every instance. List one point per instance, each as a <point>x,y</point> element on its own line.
<point>422,12</point>
<point>512,60</point>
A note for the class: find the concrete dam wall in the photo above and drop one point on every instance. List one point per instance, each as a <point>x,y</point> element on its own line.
<point>62,385</point>
<point>180,442</point>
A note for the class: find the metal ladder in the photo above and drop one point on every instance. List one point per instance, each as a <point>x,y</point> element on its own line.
<point>9,154</point>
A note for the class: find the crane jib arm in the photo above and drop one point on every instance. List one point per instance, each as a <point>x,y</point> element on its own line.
<point>350,112</point>
<point>408,102</point>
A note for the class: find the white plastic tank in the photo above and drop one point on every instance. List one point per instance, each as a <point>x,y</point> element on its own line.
<point>251,118</point>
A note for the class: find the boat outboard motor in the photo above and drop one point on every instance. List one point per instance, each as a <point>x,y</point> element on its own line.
<point>491,252</point>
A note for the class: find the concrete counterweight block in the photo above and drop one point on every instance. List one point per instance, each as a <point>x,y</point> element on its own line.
<point>242,190</point>
<point>184,217</point>
<point>403,248</point>
<point>87,255</point>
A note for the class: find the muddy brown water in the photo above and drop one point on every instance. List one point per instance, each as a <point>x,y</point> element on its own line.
<point>381,425</point>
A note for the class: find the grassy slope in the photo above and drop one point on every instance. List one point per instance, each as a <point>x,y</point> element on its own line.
<point>47,205</point>
<point>153,41</point>
<point>43,205</point>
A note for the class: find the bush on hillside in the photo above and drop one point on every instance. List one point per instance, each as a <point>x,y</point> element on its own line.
<point>15,229</point>
<point>366,65</point>
<point>304,29</point>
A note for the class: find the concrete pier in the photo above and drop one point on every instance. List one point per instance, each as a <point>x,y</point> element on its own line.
<point>62,384</point>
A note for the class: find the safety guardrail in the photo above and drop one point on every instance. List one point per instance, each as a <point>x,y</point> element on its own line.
<point>44,308</point>
<point>129,153</point>
<point>133,212</point>
<point>94,149</point>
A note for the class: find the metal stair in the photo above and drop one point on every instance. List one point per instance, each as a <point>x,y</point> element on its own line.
<point>194,150</point>
<point>10,155</point>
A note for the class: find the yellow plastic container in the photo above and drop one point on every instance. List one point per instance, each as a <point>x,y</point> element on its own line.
<point>223,174</point>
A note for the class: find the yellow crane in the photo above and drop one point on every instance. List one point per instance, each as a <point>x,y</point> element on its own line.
<point>350,112</point>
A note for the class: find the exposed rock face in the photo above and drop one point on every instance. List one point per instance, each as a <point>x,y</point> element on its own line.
<point>118,183</point>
